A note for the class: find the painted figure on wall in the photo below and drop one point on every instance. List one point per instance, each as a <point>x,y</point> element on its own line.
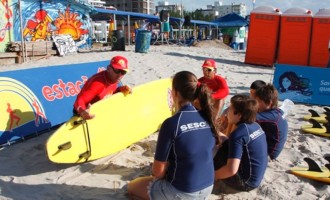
<point>42,20</point>
<point>39,27</point>
<point>12,117</point>
<point>38,113</point>
<point>6,15</point>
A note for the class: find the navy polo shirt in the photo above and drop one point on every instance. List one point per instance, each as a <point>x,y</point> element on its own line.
<point>186,141</point>
<point>276,129</point>
<point>248,143</point>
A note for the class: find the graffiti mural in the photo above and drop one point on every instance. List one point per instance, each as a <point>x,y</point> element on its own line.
<point>6,15</point>
<point>44,19</point>
<point>69,23</point>
<point>38,28</point>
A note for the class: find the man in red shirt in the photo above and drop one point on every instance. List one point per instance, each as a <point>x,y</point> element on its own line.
<point>217,84</point>
<point>102,85</point>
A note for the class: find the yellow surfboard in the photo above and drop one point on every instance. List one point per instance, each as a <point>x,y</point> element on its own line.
<point>323,176</point>
<point>119,122</point>
<point>312,172</point>
<point>318,117</point>
<point>316,128</point>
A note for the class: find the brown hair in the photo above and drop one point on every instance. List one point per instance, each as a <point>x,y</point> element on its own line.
<point>246,107</point>
<point>186,83</point>
<point>268,94</point>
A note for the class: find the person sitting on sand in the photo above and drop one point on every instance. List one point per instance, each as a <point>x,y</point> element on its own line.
<point>241,161</point>
<point>255,85</point>
<point>183,161</point>
<point>270,118</point>
<point>226,128</point>
<point>101,85</point>
<point>217,84</point>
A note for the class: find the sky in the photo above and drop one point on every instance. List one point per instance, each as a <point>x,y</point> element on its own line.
<point>283,5</point>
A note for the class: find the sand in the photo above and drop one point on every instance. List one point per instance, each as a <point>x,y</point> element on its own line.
<point>26,173</point>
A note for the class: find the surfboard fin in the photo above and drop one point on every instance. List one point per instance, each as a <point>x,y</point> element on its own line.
<point>65,146</point>
<point>327,157</point>
<point>328,166</point>
<point>315,123</point>
<point>61,147</point>
<point>85,155</point>
<point>78,122</point>
<point>327,117</point>
<point>313,113</point>
<point>312,165</point>
<point>327,110</point>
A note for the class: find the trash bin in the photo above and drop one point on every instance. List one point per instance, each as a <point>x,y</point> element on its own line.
<point>142,42</point>
<point>241,46</point>
<point>118,40</point>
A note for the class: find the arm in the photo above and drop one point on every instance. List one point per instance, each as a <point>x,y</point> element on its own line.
<point>84,99</point>
<point>159,169</point>
<point>163,148</point>
<point>125,89</point>
<point>223,89</point>
<point>230,169</point>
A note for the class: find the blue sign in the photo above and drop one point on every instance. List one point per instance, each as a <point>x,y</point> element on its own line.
<point>302,84</point>
<point>34,100</point>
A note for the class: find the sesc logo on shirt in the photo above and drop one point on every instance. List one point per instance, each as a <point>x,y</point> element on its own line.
<point>256,134</point>
<point>193,126</point>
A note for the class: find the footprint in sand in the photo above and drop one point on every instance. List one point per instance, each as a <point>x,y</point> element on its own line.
<point>304,150</point>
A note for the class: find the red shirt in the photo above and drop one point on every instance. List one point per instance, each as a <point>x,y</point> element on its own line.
<point>218,86</point>
<point>96,88</point>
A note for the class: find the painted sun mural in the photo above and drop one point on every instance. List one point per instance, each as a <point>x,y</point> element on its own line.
<point>42,20</point>
<point>69,23</point>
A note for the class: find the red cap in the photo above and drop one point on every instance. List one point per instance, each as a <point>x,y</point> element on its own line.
<point>210,63</point>
<point>119,62</point>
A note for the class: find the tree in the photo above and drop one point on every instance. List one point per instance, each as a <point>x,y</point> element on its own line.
<point>198,15</point>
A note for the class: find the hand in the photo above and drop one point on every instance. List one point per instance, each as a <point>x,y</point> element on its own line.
<point>85,113</point>
<point>126,89</point>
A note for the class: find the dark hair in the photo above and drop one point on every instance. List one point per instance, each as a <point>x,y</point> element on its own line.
<point>257,84</point>
<point>247,107</point>
<point>268,94</point>
<point>186,83</point>
<point>295,81</point>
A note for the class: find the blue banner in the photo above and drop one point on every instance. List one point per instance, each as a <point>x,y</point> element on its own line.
<point>34,100</point>
<point>302,84</point>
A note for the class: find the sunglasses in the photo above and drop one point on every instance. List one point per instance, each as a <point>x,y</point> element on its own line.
<point>208,70</point>
<point>118,71</point>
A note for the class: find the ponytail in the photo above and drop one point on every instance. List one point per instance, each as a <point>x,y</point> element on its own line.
<point>206,104</point>
<point>186,83</point>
